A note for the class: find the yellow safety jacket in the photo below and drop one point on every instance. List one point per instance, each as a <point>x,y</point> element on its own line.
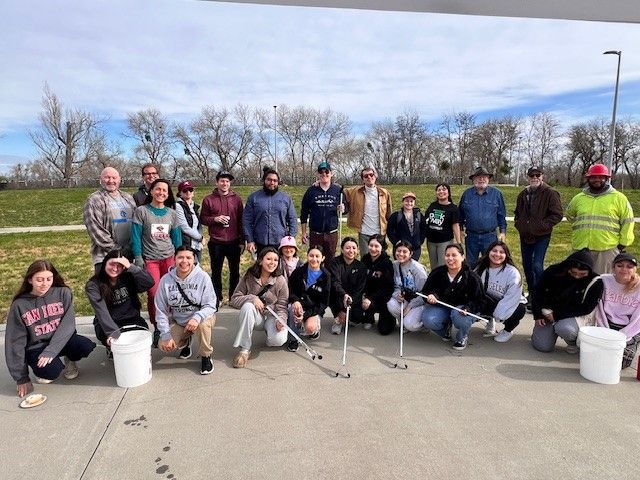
<point>600,222</point>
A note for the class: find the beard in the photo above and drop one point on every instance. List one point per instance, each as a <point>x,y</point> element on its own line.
<point>268,191</point>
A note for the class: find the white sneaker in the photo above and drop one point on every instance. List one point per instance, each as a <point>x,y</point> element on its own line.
<point>70,369</point>
<point>490,329</point>
<point>503,336</point>
<point>43,381</point>
<point>368,326</point>
<point>336,328</point>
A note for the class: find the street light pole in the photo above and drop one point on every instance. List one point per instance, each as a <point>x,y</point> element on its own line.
<point>612,133</point>
<point>275,136</point>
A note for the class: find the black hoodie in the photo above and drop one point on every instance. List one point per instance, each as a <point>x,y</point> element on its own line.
<point>567,296</point>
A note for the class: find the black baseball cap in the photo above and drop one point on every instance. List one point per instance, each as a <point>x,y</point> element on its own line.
<point>224,174</point>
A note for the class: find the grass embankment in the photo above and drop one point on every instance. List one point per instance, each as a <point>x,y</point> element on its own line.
<point>69,251</point>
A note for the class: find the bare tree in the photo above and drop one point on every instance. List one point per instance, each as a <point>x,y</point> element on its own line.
<point>586,145</point>
<point>67,139</point>
<point>541,139</point>
<point>154,141</point>
<point>458,129</point>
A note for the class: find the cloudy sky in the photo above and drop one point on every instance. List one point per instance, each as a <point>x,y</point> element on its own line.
<point>115,57</point>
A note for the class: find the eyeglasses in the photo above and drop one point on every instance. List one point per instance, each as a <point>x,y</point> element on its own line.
<point>535,175</point>
<point>149,174</point>
<point>324,172</point>
<point>187,189</point>
<point>368,175</point>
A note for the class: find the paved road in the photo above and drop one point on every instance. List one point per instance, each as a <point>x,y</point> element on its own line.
<point>490,412</point>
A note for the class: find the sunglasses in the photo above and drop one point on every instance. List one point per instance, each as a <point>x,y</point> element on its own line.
<point>368,175</point>
<point>187,189</point>
<point>535,175</point>
<point>323,172</point>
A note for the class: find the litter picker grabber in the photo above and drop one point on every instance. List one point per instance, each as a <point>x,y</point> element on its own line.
<point>310,351</point>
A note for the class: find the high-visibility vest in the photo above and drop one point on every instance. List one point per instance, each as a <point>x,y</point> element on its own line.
<point>600,222</point>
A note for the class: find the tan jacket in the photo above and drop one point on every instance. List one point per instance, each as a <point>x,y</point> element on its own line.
<point>355,197</point>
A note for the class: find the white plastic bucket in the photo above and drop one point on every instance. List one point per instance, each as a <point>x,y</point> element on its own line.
<point>601,352</point>
<point>132,358</point>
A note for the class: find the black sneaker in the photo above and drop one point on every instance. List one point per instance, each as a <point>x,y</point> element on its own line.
<point>207,366</point>
<point>447,335</point>
<point>314,335</point>
<point>156,338</point>
<point>292,346</point>
<point>460,345</point>
<point>109,354</point>
<point>186,350</point>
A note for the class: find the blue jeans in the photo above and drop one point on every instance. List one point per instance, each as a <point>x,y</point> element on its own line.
<point>77,348</point>
<point>439,319</point>
<point>533,260</point>
<point>476,244</point>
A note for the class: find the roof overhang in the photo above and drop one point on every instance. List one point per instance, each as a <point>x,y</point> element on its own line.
<point>627,11</point>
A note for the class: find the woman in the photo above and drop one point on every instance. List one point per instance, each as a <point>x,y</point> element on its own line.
<point>502,285</point>
<point>407,224</point>
<point>564,300</point>
<point>262,286</point>
<point>619,306</point>
<point>409,277</point>
<point>155,234</point>
<point>188,219</point>
<point>289,259</point>
<point>309,287</point>
<point>348,276</point>
<point>41,327</point>
<point>378,286</point>
<point>441,224</point>
<point>456,284</point>
<point>113,294</point>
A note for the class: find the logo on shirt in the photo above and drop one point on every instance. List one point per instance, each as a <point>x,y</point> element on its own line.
<point>160,231</point>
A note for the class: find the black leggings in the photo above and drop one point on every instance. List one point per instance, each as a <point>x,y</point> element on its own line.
<point>514,320</point>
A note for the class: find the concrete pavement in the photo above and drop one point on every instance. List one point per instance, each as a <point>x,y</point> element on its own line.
<point>492,411</point>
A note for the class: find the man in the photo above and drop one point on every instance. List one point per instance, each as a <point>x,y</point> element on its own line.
<point>601,218</point>
<point>321,204</point>
<point>538,210</point>
<point>269,215</point>
<point>369,208</point>
<point>107,214</point>
<point>222,213</point>
<point>482,211</point>
<point>186,306</point>
<point>150,172</point>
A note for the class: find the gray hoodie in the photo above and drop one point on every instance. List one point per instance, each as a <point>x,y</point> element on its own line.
<point>505,285</point>
<point>35,321</point>
<point>413,277</point>
<point>171,304</point>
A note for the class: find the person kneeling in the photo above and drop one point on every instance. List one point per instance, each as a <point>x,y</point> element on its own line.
<point>186,305</point>
<point>262,286</point>
<point>564,300</point>
<point>41,327</point>
<point>309,287</point>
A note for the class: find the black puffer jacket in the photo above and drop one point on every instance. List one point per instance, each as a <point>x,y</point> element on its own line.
<point>567,296</point>
<point>314,299</point>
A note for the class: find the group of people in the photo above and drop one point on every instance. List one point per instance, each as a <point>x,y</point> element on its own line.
<point>151,242</point>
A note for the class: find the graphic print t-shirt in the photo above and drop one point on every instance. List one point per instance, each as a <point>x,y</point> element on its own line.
<point>440,220</point>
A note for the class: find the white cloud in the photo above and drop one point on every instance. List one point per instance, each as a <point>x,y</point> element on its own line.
<point>115,57</point>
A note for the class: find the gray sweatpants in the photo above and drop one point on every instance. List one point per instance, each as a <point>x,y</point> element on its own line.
<point>250,318</point>
<point>544,338</point>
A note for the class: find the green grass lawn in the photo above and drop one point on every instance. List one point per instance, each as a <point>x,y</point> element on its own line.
<point>69,251</point>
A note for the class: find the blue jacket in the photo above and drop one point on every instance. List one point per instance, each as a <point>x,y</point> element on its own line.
<point>268,218</point>
<point>320,208</point>
<point>483,213</point>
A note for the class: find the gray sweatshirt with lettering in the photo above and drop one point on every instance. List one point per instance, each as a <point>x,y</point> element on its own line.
<point>36,321</point>
<point>171,304</point>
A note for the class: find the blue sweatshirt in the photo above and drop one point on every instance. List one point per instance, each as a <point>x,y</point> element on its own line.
<point>267,219</point>
<point>320,208</point>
